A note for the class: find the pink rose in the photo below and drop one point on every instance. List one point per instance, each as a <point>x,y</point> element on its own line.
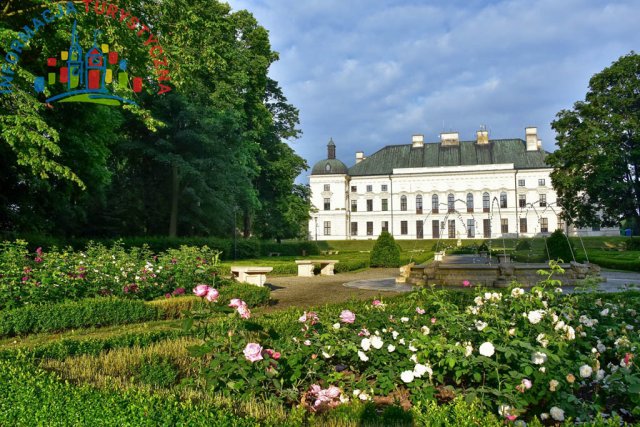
<point>235,303</point>
<point>376,302</point>
<point>466,283</point>
<point>333,392</point>
<point>244,311</point>
<point>201,290</point>
<point>272,353</point>
<point>420,310</point>
<point>347,316</point>
<point>212,295</point>
<point>433,320</point>
<point>253,352</point>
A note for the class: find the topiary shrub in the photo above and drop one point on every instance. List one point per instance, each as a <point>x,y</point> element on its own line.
<point>559,247</point>
<point>523,244</point>
<point>386,252</point>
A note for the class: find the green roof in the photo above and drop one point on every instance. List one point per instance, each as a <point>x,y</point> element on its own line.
<point>329,167</point>
<point>467,153</point>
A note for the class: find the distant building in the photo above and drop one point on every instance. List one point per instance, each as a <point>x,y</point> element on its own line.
<point>486,188</point>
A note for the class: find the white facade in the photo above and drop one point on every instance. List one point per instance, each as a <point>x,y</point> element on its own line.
<point>471,201</point>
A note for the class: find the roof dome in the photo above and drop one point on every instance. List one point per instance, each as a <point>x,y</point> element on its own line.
<point>329,167</point>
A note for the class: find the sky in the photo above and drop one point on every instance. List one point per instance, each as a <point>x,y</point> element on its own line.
<point>371,73</point>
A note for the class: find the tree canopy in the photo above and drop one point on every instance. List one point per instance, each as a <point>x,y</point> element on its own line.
<point>187,162</point>
<point>596,166</point>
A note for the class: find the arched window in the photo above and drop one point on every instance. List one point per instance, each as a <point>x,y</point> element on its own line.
<point>418,204</point>
<point>327,167</point>
<point>451,202</point>
<point>503,200</point>
<point>486,202</point>
<point>403,203</point>
<point>469,202</point>
<point>434,203</point>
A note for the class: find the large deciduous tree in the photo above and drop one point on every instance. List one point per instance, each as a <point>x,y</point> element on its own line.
<point>597,165</point>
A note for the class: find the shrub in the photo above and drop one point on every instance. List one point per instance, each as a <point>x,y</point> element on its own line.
<point>560,247</point>
<point>523,244</point>
<point>483,247</point>
<point>632,244</point>
<point>385,253</point>
<point>251,294</point>
<point>158,371</point>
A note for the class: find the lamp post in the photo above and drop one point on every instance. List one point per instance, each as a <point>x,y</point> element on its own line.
<point>235,245</point>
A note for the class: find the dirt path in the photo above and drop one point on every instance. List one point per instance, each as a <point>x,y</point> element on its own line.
<point>306,292</point>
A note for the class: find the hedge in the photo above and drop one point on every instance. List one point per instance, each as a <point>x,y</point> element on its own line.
<point>107,311</point>
<point>30,396</point>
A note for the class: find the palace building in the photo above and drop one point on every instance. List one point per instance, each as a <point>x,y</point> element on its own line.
<point>484,188</point>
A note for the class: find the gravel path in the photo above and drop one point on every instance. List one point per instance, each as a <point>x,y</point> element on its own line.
<point>307,292</point>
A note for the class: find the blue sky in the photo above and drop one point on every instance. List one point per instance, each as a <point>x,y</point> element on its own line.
<point>370,73</point>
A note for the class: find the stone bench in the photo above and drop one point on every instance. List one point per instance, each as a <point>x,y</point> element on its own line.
<point>251,274</point>
<point>330,252</point>
<point>305,266</point>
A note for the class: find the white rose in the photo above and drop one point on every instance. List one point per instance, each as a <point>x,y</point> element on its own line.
<point>541,338</point>
<point>404,319</point>
<point>401,341</point>
<point>478,300</point>
<point>365,344</point>
<point>425,330</point>
<point>487,296</point>
<point>585,371</point>
<point>414,358</point>
<point>412,348</point>
<point>480,325</point>
<point>376,342</point>
<point>557,413</point>
<point>516,292</point>
<point>419,370</point>
<point>601,347</point>
<point>512,331</point>
<point>362,356</point>
<point>468,350</point>
<point>604,312</point>
<point>391,348</point>
<point>407,376</point>
<point>538,358</point>
<point>535,316</point>
<point>487,349</point>
<point>553,385</point>
<point>395,334</point>
<point>336,326</point>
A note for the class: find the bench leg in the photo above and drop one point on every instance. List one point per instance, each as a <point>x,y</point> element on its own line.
<point>305,270</point>
<point>256,279</point>
<point>327,270</point>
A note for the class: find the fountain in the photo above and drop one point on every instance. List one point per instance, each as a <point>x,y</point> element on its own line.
<point>452,270</point>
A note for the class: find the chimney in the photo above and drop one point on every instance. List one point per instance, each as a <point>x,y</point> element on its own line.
<point>482,136</point>
<point>331,149</point>
<point>450,138</point>
<point>531,135</point>
<point>417,141</point>
<point>359,157</point>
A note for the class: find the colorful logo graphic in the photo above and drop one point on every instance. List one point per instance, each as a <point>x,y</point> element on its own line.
<point>86,76</point>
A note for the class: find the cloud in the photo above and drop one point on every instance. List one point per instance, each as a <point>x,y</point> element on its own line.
<point>372,73</point>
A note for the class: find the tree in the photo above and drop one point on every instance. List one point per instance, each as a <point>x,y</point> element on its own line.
<point>386,252</point>
<point>597,165</point>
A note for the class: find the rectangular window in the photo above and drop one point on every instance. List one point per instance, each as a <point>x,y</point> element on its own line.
<point>522,200</point>
<point>327,228</point>
<point>543,200</point>
<point>435,229</point>
<point>327,204</point>
<point>404,227</point>
<point>544,225</point>
<point>560,224</point>
<point>541,182</point>
<point>369,188</point>
<point>354,228</point>
<point>403,203</point>
<point>452,228</point>
<point>504,225</point>
<point>486,228</point>
<point>385,226</point>
<point>523,225</point>
<point>369,205</point>
<point>369,228</point>
<point>354,206</point>
<point>419,230</point>
<point>503,200</point>
<point>383,188</point>
<point>327,187</point>
<point>385,204</point>
<point>471,228</point>
<point>354,189</point>
<point>521,183</point>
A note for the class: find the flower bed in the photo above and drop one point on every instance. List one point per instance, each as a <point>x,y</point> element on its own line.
<point>541,354</point>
